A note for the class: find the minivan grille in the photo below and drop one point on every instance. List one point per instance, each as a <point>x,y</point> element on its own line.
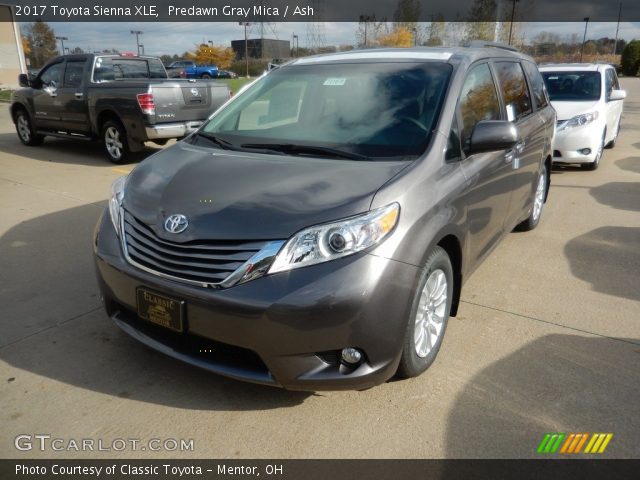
<point>200,261</point>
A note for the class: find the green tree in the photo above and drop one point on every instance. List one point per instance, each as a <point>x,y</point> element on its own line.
<point>42,40</point>
<point>436,31</point>
<point>478,28</point>
<point>631,58</point>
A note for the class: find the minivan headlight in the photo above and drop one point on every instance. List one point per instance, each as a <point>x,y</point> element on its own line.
<point>322,243</point>
<point>115,202</point>
<point>578,121</point>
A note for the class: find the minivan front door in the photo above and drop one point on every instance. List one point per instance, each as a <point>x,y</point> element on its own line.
<point>489,175</point>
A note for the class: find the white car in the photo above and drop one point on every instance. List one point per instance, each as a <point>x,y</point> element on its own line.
<point>588,101</point>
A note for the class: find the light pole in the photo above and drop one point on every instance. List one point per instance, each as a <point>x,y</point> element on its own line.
<point>246,44</point>
<point>137,33</point>
<point>513,16</point>
<point>62,39</point>
<point>366,19</point>
<point>615,43</point>
<point>584,38</point>
<point>296,45</point>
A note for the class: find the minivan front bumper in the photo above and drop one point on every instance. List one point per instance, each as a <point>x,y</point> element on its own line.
<point>285,329</point>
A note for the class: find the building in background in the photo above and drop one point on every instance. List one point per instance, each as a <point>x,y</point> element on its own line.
<point>266,48</point>
<point>12,61</point>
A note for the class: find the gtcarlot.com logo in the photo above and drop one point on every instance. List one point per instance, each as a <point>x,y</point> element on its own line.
<point>573,443</point>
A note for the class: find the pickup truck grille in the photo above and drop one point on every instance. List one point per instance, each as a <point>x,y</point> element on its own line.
<point>202,262</point>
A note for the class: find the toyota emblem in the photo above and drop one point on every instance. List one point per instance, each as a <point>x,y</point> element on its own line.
<point>176,223</point>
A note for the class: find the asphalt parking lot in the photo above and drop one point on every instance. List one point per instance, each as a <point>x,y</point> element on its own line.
<point>547,338</point>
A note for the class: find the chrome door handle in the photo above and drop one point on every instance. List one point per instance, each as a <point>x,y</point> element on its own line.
<point>79,94</point>
<point>509,156</point>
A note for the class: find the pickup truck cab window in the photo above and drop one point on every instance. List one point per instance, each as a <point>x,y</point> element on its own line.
<point>52,74</point>
<point>73,74</point>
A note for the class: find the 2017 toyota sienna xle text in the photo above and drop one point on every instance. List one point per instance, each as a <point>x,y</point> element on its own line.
<point>315,233</point>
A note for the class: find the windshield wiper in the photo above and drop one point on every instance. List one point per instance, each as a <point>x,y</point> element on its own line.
<point>293,149</point>
<point>222,143</point>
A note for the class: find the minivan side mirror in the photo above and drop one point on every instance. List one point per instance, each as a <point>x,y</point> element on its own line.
<point>493,135</point>
<point>23,80</point>
<point>617,95</point>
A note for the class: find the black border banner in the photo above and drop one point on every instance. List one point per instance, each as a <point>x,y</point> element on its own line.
<point>325,10</point>
<point>546,469</point>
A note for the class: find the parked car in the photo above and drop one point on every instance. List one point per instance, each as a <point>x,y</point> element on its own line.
<point>589,103</point>
<point>226,74</point>
<point>122,101</point>
<point>175,68</point>
<point>315,232</point>
<point>199,71</point>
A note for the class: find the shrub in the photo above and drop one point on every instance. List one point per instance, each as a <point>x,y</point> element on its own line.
<point>631,58</point>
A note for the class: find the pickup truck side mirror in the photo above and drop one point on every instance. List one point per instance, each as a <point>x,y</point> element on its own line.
<point>493,135</point>
<point>23,80</point>
<point>617,95</point>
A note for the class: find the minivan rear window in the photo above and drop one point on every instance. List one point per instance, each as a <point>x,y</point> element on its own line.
<point>373,109</point>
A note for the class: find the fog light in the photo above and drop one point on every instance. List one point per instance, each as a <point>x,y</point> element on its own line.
<point>585,151</point>
<point>351,355</point>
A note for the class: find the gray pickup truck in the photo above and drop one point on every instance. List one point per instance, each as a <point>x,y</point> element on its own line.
<point>123,101</point>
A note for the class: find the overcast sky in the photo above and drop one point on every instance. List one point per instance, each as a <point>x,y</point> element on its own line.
<point>170,38</point>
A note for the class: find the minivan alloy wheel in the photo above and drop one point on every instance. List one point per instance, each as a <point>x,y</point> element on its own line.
<point>538,201</point>
<point>431,313</point>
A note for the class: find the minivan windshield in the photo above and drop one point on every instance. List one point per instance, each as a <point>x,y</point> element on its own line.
<point>346,110</point>
<point>572,86</point>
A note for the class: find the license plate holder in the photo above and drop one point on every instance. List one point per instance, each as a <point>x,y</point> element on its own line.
<point>160,309</point>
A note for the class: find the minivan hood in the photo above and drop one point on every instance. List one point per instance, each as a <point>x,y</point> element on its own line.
<point>567,110</point>
<point>229,195</point>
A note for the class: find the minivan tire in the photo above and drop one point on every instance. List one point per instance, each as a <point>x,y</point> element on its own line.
<point>114,142</point>
<point>537,205</point>
<point>429,316</point>
<point>25,131</point>
<point>596,163</point>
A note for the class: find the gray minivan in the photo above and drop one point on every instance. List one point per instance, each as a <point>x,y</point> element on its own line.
<point>316,231</point>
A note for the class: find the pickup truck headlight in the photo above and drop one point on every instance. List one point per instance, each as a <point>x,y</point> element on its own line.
<point>115,202</point>
<point>322,243</point>
<point>578,121</point>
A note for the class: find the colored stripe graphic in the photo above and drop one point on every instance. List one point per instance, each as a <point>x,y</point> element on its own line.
<point>572,443</point>
<point>598,442</point>
<point>551,442</point>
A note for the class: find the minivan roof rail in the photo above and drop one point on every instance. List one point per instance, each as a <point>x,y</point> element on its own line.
<point>484,43</point>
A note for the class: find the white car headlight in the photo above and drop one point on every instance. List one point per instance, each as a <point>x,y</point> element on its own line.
<point>115,202</point>
<point>578,121</point>
<point>322,243</point>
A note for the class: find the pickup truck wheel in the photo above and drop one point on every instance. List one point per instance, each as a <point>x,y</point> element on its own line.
<point>429,315</point>
<point>26,133</point>
<point>205,75</point>
<point>114,140</point>
<point>539,198</point>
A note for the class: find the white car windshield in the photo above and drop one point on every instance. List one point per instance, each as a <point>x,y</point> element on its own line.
<point>573,86</point>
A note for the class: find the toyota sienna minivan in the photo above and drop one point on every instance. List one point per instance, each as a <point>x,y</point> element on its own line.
<point>316,231</point>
